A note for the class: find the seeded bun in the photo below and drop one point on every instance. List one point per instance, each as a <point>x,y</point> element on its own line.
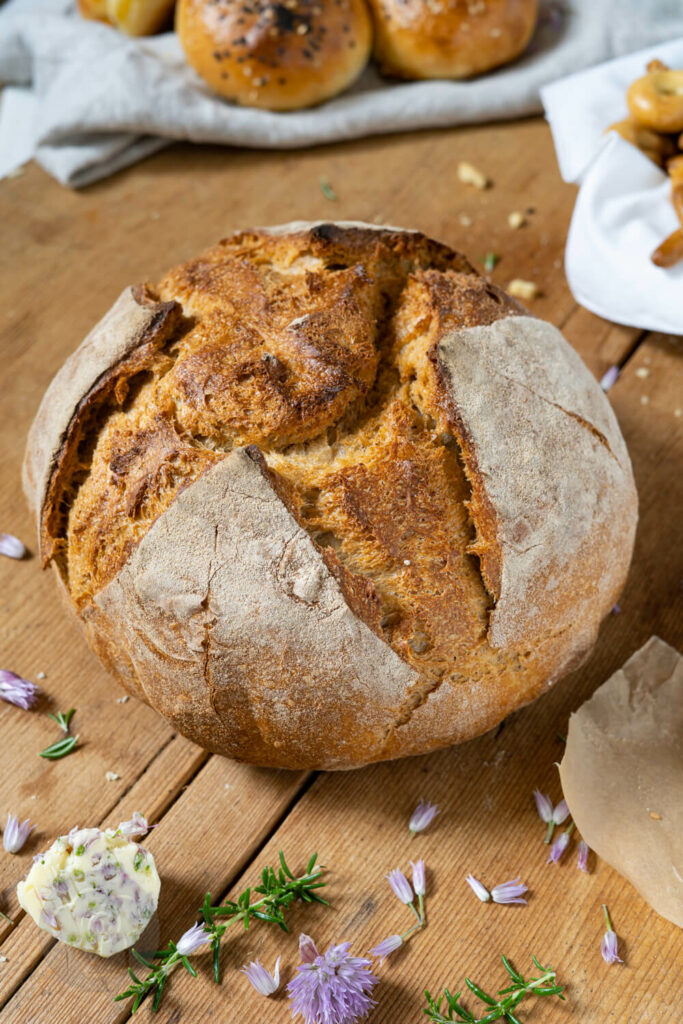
<point>276,55</point>
<point>324,495</point>
<point>449,38</point>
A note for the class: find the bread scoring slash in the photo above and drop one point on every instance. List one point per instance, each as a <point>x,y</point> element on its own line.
<point>324,496</point>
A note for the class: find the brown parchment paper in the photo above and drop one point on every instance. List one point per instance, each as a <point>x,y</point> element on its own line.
<point>622,774</point>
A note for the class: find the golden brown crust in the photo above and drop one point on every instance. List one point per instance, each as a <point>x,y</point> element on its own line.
<point>277,55</point>
<point>359,505</point>
<point>449,38</point>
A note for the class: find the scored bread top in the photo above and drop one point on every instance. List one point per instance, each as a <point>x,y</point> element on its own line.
<point>460,477</point>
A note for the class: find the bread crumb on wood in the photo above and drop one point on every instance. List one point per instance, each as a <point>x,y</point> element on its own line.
<point>122,700</point>
<point>678,412</point>
<point>522,289</point>
<point>111,776</point>
<point>516,219</point>
<point>642,372</point>
<point>41,675</point>
<point>644,399</point>
<point>655,816</point>
<point>471,175</point>
<point>465,220</point>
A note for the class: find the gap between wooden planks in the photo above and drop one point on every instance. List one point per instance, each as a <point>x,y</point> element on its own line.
<point>358,819</point>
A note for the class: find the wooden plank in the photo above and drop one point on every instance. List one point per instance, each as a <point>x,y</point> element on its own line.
<point>152,794</point>
<point>488,825</point>
<point>207,837</point>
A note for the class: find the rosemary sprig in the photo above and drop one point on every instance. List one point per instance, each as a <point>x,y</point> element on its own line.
<point>62,718</point>
<point>328,191</point>
<point>277,891</point>
<point>497,1009</point>
<point>60,749</point>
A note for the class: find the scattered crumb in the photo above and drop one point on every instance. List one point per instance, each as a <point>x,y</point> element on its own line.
<point>470,175</point>
<point>465,220</point>
<point>523,289</point>
<point>655,816</point>
<point>41,675</point>
<point>643,372</point>
<point>378,218</point>
<point>406,561</point>
<point>3,959</point>
<point>516,219</point>
<point>227,785</point>
<point>678,412</point>
<point>32,796</point>
<point>123,700</point>
<point>111,776</point>
<point>644,399</point>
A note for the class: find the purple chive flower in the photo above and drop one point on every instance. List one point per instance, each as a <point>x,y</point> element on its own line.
<point>558,847</point>
<point>386,946</point>
<point>422,816</point>
<point>15,835</point>
<point>193,939</point>
<point>609,378</point>
<point>582,859</point>
<point>262,980</point>
<point>560,813</point>
<point>479,890</point>
<point>333,988</point>
<point>608,948</point>
<point>401,886</point>
<point>544,806</point>
<point>308,950</point>
<point>419,880</point>
<point>16,690</point>
<point>509,892</point>
<point>11,546</point>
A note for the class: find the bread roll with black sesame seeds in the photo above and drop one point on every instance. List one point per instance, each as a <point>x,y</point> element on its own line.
<point>279,56</point>
<point>449,38</point>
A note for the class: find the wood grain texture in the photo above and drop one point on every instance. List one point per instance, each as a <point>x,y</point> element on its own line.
<point>65,257</point>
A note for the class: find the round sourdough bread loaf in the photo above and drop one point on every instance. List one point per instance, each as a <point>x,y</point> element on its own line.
<point>324,495</point>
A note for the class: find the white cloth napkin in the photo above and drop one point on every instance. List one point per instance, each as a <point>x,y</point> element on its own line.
<point>100,101</point>
<point>623,209</point>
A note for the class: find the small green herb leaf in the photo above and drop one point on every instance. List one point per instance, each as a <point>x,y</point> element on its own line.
<point>490,260</point>
<point>328,191</point>
<point>62,718</point>
<point>60,749</point>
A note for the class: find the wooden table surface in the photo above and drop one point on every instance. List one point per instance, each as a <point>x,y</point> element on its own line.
<point>65,256</point>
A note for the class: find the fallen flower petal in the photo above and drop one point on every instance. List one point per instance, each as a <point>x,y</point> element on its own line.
<point>558,847</point>
<point>334,989</point>
<point>11,546</point>
<point>422,816</point>
<point>608,947</point>
<point>386,946</point>
<point>193,939</point>
<point>544,806</point>
<point>509,892</point>
<point>137,826</point>
<point>15,835</point>
<point>308,951</point>
<point>419,880</point>
<point>479,890</point>
<point>400,885</point>
<point>262,980</point>
<point>582,859</point>
<point>16,690</point>
<point>609,378</point>
<point>561,812</point>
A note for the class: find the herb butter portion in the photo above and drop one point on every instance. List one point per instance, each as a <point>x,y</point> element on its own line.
<point>93,890</point>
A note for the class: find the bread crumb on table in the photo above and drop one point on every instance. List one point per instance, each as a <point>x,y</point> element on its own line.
<point>642,372</point>
<point>465,220</point>
<point>644,399</point>
<point>111,776</point>
<point>655,816</point>
<point>122,700</point>
<point>471,175</point>
<point>521,289</point>
<point>516,219</point>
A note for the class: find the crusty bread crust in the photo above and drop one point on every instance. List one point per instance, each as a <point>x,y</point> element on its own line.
<point>325,496</point>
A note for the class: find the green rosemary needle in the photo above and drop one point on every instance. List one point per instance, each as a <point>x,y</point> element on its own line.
<point>60,749</point>
<point>447,1008</point>
<point>62,718</point>
<point>278,889</point>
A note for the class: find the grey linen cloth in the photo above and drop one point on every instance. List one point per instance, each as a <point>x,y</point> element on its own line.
<point>98,101</point>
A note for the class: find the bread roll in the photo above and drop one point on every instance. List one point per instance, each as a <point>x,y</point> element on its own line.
<point>134,17</point>
<point>449,38</point>
<point>276,55</point>
<point>324,495</point>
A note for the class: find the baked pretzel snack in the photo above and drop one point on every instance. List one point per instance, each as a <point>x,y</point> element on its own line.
<point>671,249</point>
<point>134,17</point>
<point>656,99</point>
<point>654,145</point>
